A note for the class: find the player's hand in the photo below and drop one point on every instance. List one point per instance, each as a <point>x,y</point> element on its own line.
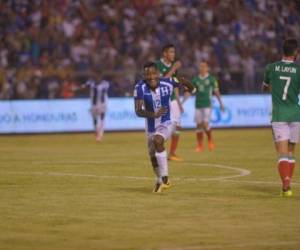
<point>160,112</point>
<point>177,65</point>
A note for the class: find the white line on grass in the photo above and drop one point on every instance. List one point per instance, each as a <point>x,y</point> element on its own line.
<point>80,175</point>
<point>242,172</point>
<point>239,245</point>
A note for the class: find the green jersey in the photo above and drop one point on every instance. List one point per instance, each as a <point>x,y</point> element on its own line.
<point>204,89</point>
<point>284,79</point>
<point>164,69</point>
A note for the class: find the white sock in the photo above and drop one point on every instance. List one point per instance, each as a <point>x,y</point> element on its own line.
<point>100,128</point>
<point>157,173</point>
<point>162,163</point>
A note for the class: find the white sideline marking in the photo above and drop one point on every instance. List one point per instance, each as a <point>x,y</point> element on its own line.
<point>242,172</point>
<point>238,245</point>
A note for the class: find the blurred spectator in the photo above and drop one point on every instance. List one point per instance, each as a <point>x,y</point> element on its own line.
<point>68,88</point>
<point>248,66</point>
<point>42,42</point>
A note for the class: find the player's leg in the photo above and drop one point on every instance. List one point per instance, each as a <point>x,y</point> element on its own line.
<point>161,155</point>
<point>292,160</point>
<point>199,129</point>
<point>100,110</point>
<point>98,133</point>
<point>155,166</point>
<point>175,117</point>
<point>293,140</point>
<point>160,137</point>
<point>207,128</point>
<point>281,136</point>
<point>101,124</point>
<point>95,120</point>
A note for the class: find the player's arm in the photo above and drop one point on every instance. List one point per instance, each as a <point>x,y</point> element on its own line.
<point>141,112</point>
<point>218,94</point>
<point>266,87</point>
<point>173,69</point>
<point>187,84</point>
<point>187,94</point>
<point>80,87</point>
<point>177,96</point>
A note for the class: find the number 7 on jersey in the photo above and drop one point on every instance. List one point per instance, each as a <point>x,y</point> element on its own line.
<point>287,80</point>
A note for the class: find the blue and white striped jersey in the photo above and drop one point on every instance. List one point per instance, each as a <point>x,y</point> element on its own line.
<point>153,100</point>
<point>98,92</point>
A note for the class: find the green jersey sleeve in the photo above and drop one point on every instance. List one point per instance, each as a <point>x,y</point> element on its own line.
<point>215,83</point>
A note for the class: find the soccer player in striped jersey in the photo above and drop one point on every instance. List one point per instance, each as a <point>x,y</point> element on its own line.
<point>98,94</point>
<point>206,85</point>
<point>282,79</point>
<point>152,98</point>
<point>168,67</point>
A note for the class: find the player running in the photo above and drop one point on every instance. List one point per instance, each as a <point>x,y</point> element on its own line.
<point>282,79</point>
<point>98,94</point>
<point>206,84</point>
<point>168,67</point>
<point>152,101</point>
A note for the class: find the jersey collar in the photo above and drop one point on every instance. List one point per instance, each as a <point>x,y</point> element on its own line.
<point>287,61</point>
<point>166,64</point>
<point>203,77</point>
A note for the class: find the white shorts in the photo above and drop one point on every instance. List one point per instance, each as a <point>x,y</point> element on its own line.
<point>165,130</point>
<point>286,131</point>
<point>175,113</point>
<point>202,115</point>
<point>98,110</point>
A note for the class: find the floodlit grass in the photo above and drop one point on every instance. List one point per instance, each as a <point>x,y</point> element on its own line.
<point>69,192</point>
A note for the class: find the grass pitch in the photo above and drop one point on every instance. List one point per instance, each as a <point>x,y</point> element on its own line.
<point>69,192</point>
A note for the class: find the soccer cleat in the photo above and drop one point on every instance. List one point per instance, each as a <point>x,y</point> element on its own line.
<point>199,149</point>
<point>287,193</point>
<point>157,188</point>
<point>166,185</point>
<point>211,146</point>
<point>174,157</point>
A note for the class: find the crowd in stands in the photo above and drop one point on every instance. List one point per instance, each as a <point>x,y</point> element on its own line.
<point>48,47</point>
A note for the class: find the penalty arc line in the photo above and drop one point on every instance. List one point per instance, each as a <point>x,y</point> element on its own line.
<point>242,173</point>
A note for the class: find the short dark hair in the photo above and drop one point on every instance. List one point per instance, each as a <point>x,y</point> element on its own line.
<point>168,46</point>
<point>150,65</point>
<point>289,47</point>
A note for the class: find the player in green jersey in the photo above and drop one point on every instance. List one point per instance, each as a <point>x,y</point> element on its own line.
<point>206,85</point>
<point>282,79</point>
<point>168,67</point>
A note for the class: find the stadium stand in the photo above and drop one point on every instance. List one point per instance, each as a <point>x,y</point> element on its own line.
<point>48,46</point>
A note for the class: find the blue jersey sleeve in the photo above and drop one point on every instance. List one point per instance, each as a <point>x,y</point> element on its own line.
<point>171,80</point>
<point>175,82</point>
<point>138,92</point>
